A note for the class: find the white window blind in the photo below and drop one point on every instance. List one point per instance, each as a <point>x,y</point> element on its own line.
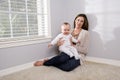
<point>23,20</point>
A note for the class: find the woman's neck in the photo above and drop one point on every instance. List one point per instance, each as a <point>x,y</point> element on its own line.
<point>78,29</point>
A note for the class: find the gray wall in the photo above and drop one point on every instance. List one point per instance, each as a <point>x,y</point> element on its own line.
<point>14,56</point>
<point>104,18</point>
<point>104,25</point>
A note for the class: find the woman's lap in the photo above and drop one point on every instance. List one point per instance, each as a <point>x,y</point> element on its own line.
<point>69,65</point>
<point>57,60</point>
<point>63,62</point>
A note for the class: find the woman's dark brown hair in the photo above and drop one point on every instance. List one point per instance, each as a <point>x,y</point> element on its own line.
<point>85,24</point>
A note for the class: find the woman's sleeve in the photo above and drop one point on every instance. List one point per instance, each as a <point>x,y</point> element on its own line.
<point>83,46</point>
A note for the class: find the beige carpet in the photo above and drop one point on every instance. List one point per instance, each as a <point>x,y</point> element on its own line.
<point>88,71</point>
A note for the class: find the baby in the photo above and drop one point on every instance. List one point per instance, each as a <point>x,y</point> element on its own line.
<point>67,46</point>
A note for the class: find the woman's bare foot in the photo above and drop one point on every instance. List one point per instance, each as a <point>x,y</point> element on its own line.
<point>38,63</point>
<point>46,59</point>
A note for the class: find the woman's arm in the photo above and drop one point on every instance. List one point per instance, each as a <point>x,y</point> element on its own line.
<point>83,46</point>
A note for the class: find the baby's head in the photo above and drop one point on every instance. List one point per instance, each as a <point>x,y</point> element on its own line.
<point>65,28</point>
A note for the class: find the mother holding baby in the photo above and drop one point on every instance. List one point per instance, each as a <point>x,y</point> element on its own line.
<point>64,61</point>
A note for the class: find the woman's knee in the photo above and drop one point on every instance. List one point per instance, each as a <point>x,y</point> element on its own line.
<point>64,58</point>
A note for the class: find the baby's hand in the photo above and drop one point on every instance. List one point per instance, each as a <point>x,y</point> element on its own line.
<point>49,45</point>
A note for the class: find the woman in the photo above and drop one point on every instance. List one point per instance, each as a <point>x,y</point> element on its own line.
<point>81,32</point>
<point>64,61</point>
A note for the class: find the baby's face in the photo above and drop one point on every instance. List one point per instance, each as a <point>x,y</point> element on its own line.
<point>66,29</point>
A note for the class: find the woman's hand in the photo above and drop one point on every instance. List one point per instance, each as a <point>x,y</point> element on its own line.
<point>79,41</point>
<point>60,42</point>
<point>71,41</point>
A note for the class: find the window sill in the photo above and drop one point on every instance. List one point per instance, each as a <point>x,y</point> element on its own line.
<point>21,42</point>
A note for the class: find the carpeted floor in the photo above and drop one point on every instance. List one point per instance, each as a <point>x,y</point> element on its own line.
<point>88,71</point>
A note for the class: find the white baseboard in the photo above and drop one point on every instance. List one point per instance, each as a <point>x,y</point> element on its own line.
<point>15,69</point>
<point>105,61</point>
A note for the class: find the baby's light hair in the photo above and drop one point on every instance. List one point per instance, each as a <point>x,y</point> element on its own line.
<point>65,23</point>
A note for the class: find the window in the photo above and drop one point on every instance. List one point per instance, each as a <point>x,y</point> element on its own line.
<point>23,21</point>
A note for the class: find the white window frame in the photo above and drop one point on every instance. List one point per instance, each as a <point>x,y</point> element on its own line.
<point>5,43</point>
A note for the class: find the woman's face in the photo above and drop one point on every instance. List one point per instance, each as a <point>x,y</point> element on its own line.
<point>79,22</point>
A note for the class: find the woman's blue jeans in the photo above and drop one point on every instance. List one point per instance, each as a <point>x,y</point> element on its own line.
<point>63,62</point>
